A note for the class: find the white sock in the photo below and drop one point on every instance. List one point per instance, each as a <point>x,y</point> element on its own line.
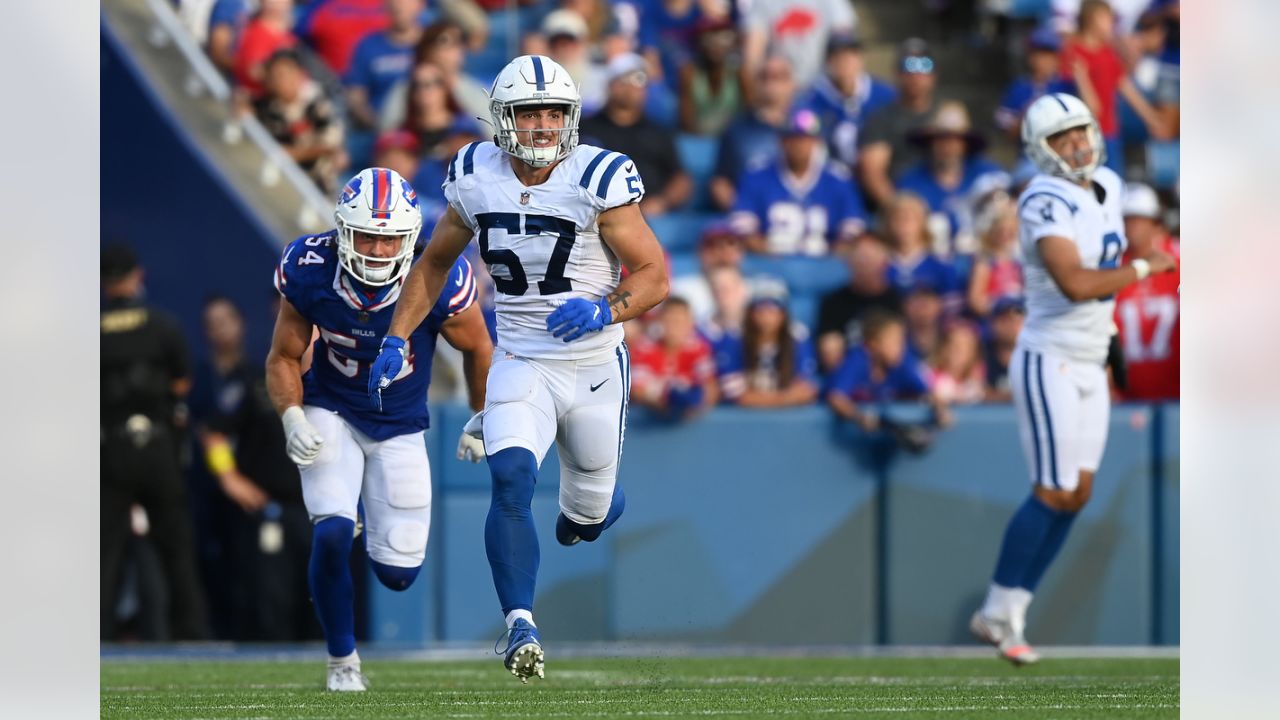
<point>999,604</point>
<point>1019,600</point>
<point>517,614</point>
<point>352,659</point>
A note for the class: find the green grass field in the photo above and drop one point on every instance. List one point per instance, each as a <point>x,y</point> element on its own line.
<point>901,688</point>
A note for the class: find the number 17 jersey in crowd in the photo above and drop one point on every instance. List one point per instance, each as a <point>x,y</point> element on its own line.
<point>542,242</point>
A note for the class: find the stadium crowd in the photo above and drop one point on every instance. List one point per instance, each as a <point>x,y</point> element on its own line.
<point>833,237</point>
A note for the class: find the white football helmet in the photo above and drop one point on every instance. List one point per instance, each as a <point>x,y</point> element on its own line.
<point>1050,115</point>
<point>534,80</point>
<point>377,201</point>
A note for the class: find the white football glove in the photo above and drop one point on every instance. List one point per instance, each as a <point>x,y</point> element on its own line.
<point>471,443</point>
<point>302,441</point>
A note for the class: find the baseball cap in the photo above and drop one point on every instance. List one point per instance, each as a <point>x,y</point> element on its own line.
<point>803,121</point>
<point>627,64</point>
<point>1141,201</point>
<point>718,233</point>
<point>914,57</point>
<point>564,22</point>
<point>843,41</point>
<point>396,140</point>
<point>118,260</point>
<point>1045,38</point>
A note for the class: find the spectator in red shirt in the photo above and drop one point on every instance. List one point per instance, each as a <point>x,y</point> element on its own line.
<point>1147,312</point>
<point>1091,60</point>
<point>335,27</point>
<point>674,375</point>
<point>268,32</point>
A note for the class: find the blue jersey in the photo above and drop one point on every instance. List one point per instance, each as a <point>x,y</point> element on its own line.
<point>853,379</point>
<point>798,216</point>
<point>736,378</point>
<point>352,320</point>
<point>980,175</point>
<point>842,117</point>
<point>377,65</point>
<point>927,270</point>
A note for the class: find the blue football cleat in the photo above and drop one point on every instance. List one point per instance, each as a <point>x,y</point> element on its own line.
<point>524,657</point>
<point>565,534</point>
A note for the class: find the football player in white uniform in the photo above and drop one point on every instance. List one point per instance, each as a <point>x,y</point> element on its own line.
<point>555,221</point>
<point>1072,236</point>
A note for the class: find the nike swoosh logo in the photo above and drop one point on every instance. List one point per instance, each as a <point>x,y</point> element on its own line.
<point>630,167</point>
<point>597,385</point>
<point>509,85</point>
<point>459,283</point>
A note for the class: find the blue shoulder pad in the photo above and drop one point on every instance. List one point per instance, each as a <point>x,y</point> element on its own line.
<point>306,263</point>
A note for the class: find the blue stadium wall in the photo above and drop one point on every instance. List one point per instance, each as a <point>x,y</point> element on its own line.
<point>162,196</point>
<point>786,528</point>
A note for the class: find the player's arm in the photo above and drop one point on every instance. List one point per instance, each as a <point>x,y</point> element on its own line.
<point>624,230</point>
<point>467,332</point>
<point>284,383</point>
<point>425,281</point>
<point>1061,259</point>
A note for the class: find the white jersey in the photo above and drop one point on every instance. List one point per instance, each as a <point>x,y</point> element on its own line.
<point>1054,206</point>
<point>541,242</point>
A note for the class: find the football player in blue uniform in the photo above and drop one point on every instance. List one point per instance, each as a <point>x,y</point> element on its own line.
<point>345,283</point>
<point>556,221</point>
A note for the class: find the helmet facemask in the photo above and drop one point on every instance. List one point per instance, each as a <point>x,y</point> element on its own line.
<point>507,137</point>
<point>368,269</point>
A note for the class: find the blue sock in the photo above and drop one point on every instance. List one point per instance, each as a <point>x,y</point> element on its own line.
<point>329,576</point>
<point>1048,550</point>
<point>589,533</point>
<point>1022,540</point>
<point>510,539</point>
<point>395,578</point>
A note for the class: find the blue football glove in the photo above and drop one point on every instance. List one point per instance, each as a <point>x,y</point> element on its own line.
<point>385,369</point>
<point>577,317</point>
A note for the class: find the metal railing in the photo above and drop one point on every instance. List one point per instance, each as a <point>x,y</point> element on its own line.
<point>204,77</point>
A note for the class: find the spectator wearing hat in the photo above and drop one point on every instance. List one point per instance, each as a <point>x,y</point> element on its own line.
<point>566,33</point>
<point>622,126</point>
<point>796,29</point>
<point>772,363</point>
<point>1091,60</point>
<point>841,311</point>
<point>845,96</point>
<point>996,271</point>
<point>803,204</point>
<point>674,375</point>
<point>884,151</point>
<point>1043,77</point>
<point>296,112</point>
<point>751,140</point>
<point>1148,312</point>
<point>952,170</point>
<point>1003,326</point>
<point>711,85</point>
<point>381,60</point>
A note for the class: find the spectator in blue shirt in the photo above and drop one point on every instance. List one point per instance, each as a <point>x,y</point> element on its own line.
<point>845,96</point>
<point>382,60</point>
<point>751,140</point>
<point>227,20</point>
<point>879,372</point>
<point>910,261</point>
<point>772,364</point>
<point>953,173</point>
<point>1043,76</point>
<point>801,205</point>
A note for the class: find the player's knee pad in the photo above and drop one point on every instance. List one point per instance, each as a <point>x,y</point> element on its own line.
<point>395,578</point>
<point>514,472</point>
<point>332,538</point>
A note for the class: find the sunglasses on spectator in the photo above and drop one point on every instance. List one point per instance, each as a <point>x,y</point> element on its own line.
<point>917,64</point>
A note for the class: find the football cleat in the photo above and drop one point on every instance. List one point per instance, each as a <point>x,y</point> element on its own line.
<point>989,630</point>
<point>346,678</point>
<point>1016,650</point>
<point>565,534</point>
<point>523,656</point>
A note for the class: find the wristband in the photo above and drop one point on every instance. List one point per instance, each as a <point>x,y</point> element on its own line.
<point>219,459</point>
<point>1142,267</point>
